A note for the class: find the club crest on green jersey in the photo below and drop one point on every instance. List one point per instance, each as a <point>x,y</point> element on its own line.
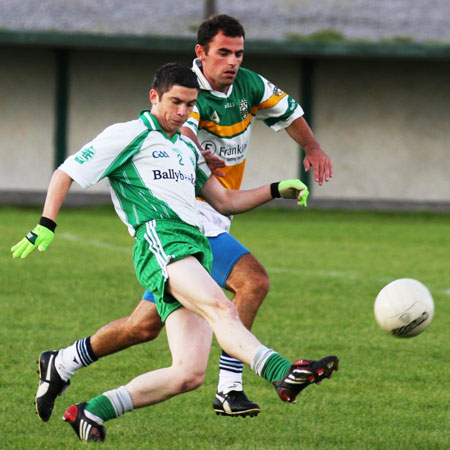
<point>243,108</point>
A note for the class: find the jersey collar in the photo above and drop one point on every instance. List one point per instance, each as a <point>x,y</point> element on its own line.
<point>204,83</point>
<point>151,122</point>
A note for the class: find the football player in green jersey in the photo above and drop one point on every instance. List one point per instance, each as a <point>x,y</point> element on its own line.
<point>172,257</point>
<point>231,98</point>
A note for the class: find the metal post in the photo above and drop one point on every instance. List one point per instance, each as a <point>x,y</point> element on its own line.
<point>306,101</point>
<point>61,105</point>
<point>210,8</point>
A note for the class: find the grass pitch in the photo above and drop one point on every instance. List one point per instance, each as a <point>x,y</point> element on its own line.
<point>326,269</point>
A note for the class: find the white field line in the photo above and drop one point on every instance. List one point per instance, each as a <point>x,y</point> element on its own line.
<point>341,275</point>
<point>347,276</point>
<point>95,243</point>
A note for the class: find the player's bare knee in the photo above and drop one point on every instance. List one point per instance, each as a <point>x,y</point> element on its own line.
<point>190,381</point>
<point>254,290</point>
<point>249,279</point>
<point>226,309</point>
<point>143,330</point>
<point>258,284</point>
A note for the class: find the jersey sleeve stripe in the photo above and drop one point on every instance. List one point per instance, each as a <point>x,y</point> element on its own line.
<point>194,115</point>
<point>271,101</point>
<point>127,153</point>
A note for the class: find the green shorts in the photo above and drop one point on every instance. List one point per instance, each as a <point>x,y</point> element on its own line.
<point>160,242</point>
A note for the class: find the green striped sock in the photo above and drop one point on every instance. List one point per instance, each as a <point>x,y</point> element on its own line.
<point>275,368</point>
<point>101,407</point>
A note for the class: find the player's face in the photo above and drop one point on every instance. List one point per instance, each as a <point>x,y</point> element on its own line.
<point>221,60</point>
<point>173,107</point>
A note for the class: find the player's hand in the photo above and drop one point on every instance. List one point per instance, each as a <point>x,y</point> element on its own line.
<point>214,163</point>
<point>294,189</point>
<point>40,237</point>
<point>321,164</point>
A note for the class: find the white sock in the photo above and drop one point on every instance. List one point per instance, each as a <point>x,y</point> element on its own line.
<point>230,374</point>
<point>260,358</point>
<point>120,399</point>
<point>229,381</point>
<point>70,359</point>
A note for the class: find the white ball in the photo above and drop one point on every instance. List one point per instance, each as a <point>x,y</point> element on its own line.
<point>404,307</point>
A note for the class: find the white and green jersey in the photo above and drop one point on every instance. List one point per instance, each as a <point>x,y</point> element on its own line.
<point>151,175</point>
<point>223,124</point>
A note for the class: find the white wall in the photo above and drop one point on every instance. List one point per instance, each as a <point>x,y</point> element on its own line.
<point>385,124</point>
<point>387,128</point>
<point>27,97</point>
<point>273,155</point>
<point>107,88</point>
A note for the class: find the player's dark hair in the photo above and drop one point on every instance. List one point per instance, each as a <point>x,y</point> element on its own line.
<point>174,73</point>
<point>228,25</point>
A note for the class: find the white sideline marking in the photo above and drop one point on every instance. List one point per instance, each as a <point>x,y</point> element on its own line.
<point>328,274</point>
<point>322,273</point>
<point>344,276</point>
<point>95,243</point>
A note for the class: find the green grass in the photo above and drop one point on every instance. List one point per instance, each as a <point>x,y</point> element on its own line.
<point>326,269</point>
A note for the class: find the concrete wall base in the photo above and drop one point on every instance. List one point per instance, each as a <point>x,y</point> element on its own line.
<point>78,199</point>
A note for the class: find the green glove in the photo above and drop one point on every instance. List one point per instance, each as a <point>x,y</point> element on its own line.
<point>41,237</point>
<point>291,189</point>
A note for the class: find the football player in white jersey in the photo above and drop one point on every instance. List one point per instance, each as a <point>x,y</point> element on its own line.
<point>155,174</point>
<point>230,99</point>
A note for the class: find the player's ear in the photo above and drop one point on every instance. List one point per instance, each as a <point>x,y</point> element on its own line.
<point>153,96</point>
<point>200,51</point>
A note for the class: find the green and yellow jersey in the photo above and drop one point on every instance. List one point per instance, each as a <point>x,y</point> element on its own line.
<point>223,124</point>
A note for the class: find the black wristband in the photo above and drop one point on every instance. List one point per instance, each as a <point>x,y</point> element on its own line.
<point>274,191</point>
<point>47,223</point>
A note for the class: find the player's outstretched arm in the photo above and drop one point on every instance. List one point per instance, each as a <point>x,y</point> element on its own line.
<point>42,234</point>
<point>315,157</point>
<point>228,201</point>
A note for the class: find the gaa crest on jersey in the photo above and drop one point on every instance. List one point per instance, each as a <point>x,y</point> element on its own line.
<point>243,108</point>
<point>160,154</point>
